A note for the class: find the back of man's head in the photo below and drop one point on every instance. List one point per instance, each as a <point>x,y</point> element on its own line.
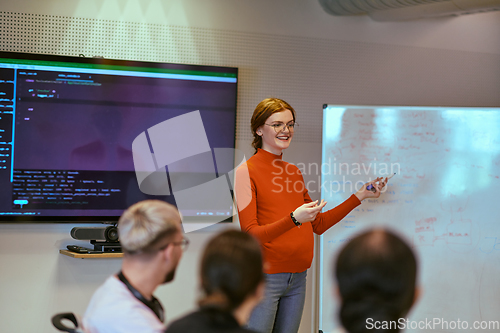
<point>145,226</point>
<point>376,274</point>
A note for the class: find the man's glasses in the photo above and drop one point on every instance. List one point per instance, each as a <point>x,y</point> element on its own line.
<point>279,127</point>
<point>183,244</point>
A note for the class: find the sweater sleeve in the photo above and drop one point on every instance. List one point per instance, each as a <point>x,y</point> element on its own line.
<point>328,219</point>
<point>246,200</point>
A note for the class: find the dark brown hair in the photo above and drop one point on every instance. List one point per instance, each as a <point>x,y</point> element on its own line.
<point>231,270</point>
<point>376,273</point>
<point>263,111</point>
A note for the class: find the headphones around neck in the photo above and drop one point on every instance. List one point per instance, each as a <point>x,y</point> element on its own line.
<point>154,304</point>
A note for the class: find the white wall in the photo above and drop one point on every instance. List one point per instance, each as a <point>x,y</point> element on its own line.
<point>300,18</point>
<point>286,48</point>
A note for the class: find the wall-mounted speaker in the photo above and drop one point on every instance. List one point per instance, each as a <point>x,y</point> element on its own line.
<point>109,234</point>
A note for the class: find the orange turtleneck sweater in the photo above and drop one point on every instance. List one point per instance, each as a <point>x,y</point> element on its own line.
<point>276,188</point>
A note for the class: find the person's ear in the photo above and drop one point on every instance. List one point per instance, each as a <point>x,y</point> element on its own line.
<point>417,295</point>
<point>167,252</point>
<point>258,295</point>
<point>259,131</point>
<point>259,292</point>
<point>266,266</point>
<point>336,293</point>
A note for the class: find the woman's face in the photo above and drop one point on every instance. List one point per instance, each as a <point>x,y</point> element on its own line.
<point>276,136</point>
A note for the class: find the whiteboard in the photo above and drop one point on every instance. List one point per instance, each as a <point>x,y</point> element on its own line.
<point>444,201</point>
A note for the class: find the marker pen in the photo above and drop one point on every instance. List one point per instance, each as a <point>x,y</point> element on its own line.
<point>372,188</point>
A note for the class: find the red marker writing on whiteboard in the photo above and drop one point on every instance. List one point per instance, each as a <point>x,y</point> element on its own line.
<point>372,188</point>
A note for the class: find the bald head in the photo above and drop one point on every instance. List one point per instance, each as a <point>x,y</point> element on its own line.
<point>376,274</point>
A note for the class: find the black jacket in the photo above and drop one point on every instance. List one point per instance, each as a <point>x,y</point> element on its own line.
<point>207,321</point>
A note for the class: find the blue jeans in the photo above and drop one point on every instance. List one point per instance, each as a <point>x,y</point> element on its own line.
<point>281,309</point>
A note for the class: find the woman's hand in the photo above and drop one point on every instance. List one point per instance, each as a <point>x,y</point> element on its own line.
<point>378,184</point>
<point>307,212</point>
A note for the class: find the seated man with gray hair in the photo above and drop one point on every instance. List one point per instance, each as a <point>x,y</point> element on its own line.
<point>152,241</point>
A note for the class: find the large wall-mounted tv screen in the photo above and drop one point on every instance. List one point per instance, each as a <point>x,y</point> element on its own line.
<point>68,124</point>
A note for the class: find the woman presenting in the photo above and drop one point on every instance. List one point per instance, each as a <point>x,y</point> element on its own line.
<point>275,207</point>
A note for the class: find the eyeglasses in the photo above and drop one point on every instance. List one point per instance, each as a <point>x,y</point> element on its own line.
<point>279,127</point>
<point>183,244</point>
